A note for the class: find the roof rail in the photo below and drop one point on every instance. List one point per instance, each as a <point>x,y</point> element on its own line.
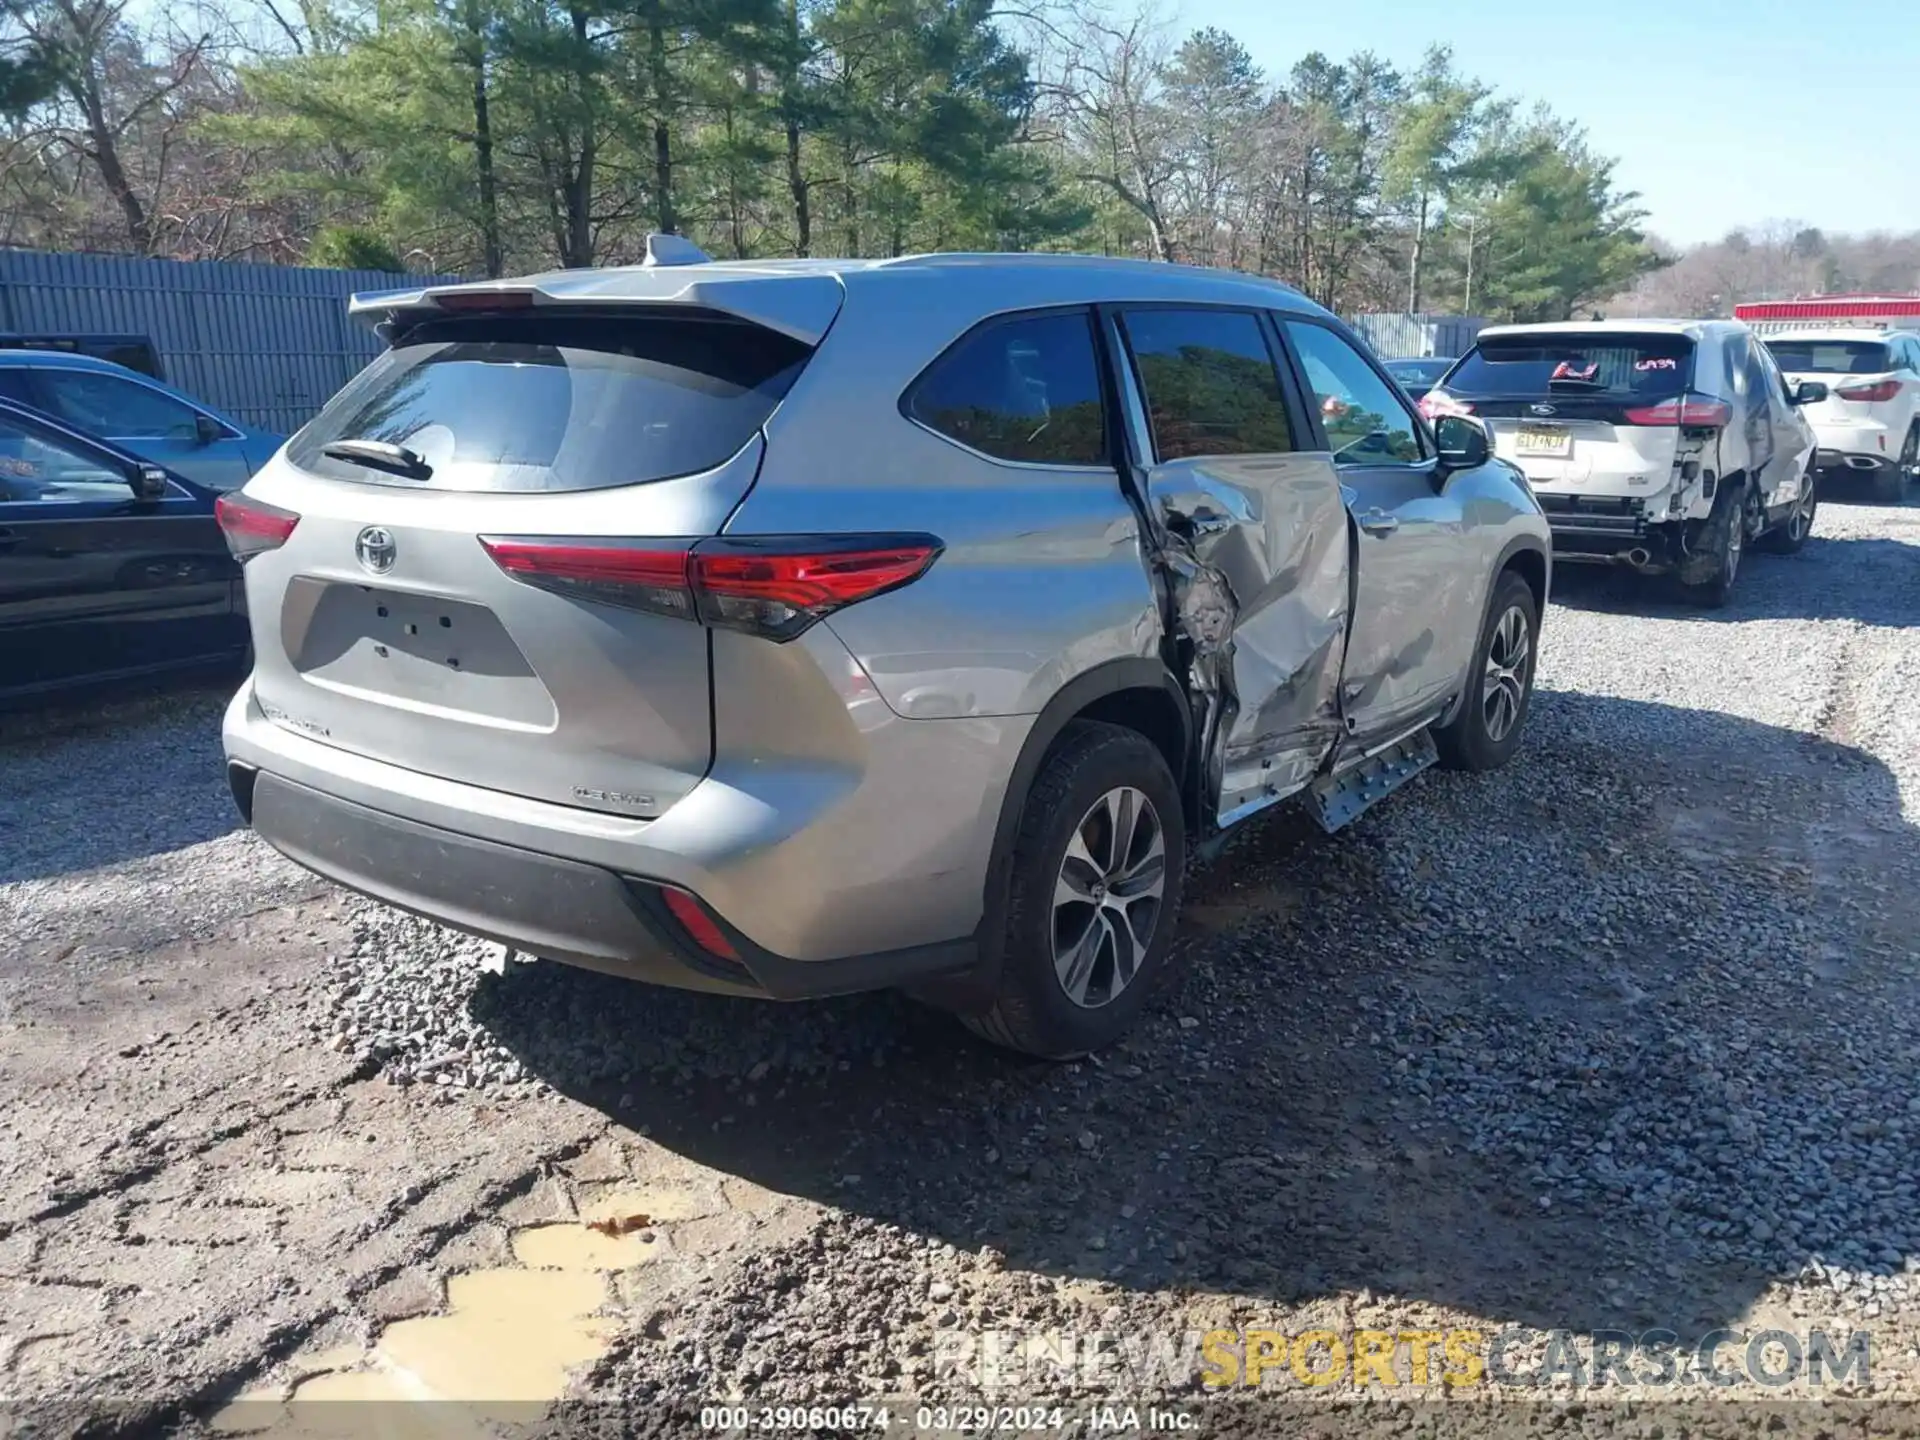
<point>673,250</point>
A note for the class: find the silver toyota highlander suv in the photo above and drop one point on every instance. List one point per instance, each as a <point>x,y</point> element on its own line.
<point>792,628</point>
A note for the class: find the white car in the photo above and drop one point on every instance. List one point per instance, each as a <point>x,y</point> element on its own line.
<point>1666,446</point>
<point>1869,424</point>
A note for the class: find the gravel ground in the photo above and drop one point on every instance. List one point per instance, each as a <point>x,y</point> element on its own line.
<point>116,829</point>
<point>1623,1037</point>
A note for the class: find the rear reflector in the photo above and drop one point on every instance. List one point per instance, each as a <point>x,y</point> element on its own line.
<point>1689,411</point>
<point>772,586</point>
<point>252,527</point>
<point>698,924</point>
<point>1877,393</point>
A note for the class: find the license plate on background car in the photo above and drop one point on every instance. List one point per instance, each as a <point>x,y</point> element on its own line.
<point>1544,440</point>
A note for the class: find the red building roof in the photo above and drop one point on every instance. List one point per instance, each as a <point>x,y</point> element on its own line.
<point>1832,307</point>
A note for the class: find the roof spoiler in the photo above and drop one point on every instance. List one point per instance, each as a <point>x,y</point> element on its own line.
<point>676,272</point>
<point>662,251</point>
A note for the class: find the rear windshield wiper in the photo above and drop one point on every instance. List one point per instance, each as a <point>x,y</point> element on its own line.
<point>379,455</point>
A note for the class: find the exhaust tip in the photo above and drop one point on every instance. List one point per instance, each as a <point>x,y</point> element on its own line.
<point>1639,556</point>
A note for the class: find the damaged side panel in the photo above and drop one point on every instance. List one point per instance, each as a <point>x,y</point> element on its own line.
<point>1256,553</point>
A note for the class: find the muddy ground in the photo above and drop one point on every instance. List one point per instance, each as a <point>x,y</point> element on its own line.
<point>1624,1038</point>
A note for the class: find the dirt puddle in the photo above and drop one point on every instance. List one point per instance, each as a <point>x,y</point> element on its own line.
<point>511,1336</point>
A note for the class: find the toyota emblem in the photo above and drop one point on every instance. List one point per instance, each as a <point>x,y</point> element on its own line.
<point>375,550</point>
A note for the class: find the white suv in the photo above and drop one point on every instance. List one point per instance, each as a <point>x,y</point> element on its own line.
<point>1667,446</point>
<point>1869,424</point>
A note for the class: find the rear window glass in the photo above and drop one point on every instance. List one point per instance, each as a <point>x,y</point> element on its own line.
<point>1025,388</point>
<point>1830,357</point>
<point>1611,366</point>
<point>134,354</point>
<point>548,403</point>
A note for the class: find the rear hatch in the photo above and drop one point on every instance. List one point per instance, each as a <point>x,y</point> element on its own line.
<point>1858,375</point>
<point>1579,413</point>
<point>418,611</point>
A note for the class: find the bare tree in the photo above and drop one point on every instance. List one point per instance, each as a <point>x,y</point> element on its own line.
<point>1111,98</point>
<point>115,98</point>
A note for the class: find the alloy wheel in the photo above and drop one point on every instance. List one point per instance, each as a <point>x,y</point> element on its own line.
<point>1107,899</point>
<point>1509,654</point>
<point>1800,522</point>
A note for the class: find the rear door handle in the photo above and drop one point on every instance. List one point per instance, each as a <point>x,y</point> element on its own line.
<point>1378,522</point>
<point>8,540</point>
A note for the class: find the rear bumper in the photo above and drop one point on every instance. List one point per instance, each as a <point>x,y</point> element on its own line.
<point>1861,462</point>
<point>870,865</point>
<point>1598,527</point>
<point>1854,447</point>
<point>560,909</point>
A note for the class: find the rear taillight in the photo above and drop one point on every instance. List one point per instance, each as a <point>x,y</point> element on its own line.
<point>779,587</point>
<point>1691,412</point>
<point>1436,404</point>
<point>772,586</point>
<point>1876,393</point>
<point>637,575</point>
<point>252,527</point>
<point>701,927</point>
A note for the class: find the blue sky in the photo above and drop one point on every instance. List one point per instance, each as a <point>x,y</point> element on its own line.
<point>1721,113</point>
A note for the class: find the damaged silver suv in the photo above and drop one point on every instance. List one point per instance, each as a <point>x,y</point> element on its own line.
<point>793,628</point>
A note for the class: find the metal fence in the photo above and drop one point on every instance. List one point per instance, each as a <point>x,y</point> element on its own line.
<point>1408,337</point>
<point>267,344</point>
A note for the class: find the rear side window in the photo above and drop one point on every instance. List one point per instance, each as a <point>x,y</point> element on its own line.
<point>1831,357</point>
<point>1626,367</point>
<point>1025,388</point>
<point>1209,381</point>
<point>108,405</point>
<point>552,403</point>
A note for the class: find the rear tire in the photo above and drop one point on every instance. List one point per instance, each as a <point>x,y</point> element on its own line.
<point>1093,897</point>
<point>1890,485</point>
<point>1707,577</point>
<point>1486,731</point>
<point>1790,534</point>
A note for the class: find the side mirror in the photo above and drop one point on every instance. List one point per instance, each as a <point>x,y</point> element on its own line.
<point>206,429</point>
<point>1809,392</point>
<point>1464,442</point>
<point>149,482</point>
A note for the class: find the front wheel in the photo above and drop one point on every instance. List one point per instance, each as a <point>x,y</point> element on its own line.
<point>1486,731</point>
<point>1094,893</point>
